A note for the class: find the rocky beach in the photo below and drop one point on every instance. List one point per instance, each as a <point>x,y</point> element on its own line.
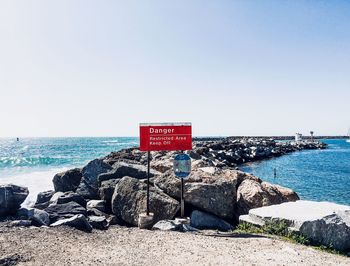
<point>103,200</point>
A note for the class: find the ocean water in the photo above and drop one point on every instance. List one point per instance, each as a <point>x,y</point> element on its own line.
<point>33,162</point>
<point>321,175</point>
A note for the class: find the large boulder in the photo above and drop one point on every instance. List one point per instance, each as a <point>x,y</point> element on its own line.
<point>68,180</point>
<point>323,223</point>
<point>88,186</point>
<point>78,221</point>
<point>65,197</point>
<point>121,169</point>
<point>106,189</point>
<point>209,189</point>
<point>44,197</point>
<point>202,220</point>
<point>332,230</point>
<point>63,211</point>
<point>38,217</point>
<point>11,198</point>
<point>129,200</point>
<point>254,193</point>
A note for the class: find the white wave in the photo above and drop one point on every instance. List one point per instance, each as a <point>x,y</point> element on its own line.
<point>111,141</point>
<point>36,182</point>
<point>25,148</point>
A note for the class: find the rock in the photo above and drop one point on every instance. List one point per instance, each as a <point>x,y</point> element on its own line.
<point>194,155</point>
<point>162,165</point>
<point>96,204</point>
<point>65,197</point>
<point>173,225</point>
<point>88,186</point>
<point>44,196</point>
<point>106,189</point>
<point>64,211</point>
<point>78,221</point>
<point>167,225</point>
<point>253,194</point>
<point>96,212</point>
<point>113,220</point>
<point>331,231</point>
<point>68,180</point>
<point>38,217</point>
<point>323,223</point>
<point>202,220</point>
<point>130,154</point>
<point>11,198</point>
<point>98,222</point>
<point>122,169</point>
<point>129,200</point>
<point>212,190</point>
<point>20,223</point>
<point>43,199</point>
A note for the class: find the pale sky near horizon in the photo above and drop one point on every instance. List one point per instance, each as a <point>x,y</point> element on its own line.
<point>99,68</point>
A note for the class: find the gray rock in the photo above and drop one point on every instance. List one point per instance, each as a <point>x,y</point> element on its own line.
<point>55,197</point>
<point>98,222</point>
<point>324,223</point>
<point>67,181</point>
<point>113,220</point>
<point>194,155</point>
<point>106,189</point>
<point>65,197</point>
<point>96,204</point>
<point>44,196</point>
<point>167,225</point>
<point>64,211</point>
<point>331,231</point>
<point>213,191</point>
<point>11,198</point>
<point>129,200</point>
<point>173,225</point>
<point>202,220</point>
<point>88,186</point>
<point>43,199</point>
<point>78,221</point>
<point>122,169</point>
<point>38,217</point>
<point>20,223</point>
<point>96,212</point>
<point>255,193</point>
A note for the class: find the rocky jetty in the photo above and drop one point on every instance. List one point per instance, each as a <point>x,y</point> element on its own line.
<point>112,190</point>
<point>222,153</point>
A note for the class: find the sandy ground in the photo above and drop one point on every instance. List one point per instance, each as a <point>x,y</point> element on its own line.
<point>131,246</point>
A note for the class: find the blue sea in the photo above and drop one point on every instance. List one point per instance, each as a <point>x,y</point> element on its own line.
<point>321,175</point>
<point>315,174</point>
<point>33,162</point>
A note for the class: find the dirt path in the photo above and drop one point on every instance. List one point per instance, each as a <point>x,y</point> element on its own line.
<point>131,246</point>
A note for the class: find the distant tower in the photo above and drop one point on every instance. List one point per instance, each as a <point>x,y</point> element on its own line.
<point>312,135</point>
<point>298,137</point>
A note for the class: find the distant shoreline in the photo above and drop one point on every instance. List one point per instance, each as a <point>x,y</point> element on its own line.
<point>268,137</point>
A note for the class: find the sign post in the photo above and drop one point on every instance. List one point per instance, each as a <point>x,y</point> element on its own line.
<point>182,169</point>
<point>164,137</point>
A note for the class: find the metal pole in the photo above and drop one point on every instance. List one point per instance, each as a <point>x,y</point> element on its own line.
<point>182,199</point>
<point>148,174</point>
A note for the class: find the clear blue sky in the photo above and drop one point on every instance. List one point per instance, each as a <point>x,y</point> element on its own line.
<point>98,68</point>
